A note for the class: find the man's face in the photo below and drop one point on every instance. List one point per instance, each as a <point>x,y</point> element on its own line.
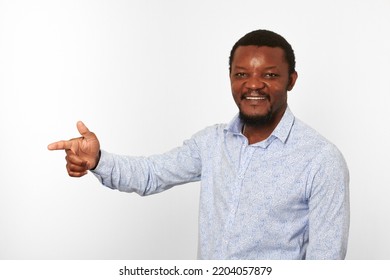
<point>260,80</point>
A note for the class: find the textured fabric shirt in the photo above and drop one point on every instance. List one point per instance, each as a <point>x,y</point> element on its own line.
<point>283,198</point>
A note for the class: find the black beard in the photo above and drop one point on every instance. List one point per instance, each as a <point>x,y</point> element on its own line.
<point>256,120</point>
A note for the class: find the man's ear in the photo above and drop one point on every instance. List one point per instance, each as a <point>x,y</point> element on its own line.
<point>291,81</point>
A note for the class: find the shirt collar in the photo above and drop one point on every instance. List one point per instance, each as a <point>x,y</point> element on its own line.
<point>281,131</point>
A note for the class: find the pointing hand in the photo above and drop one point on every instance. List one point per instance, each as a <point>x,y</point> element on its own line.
<point>82,153</point>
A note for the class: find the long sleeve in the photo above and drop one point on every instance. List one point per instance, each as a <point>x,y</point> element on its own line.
<point>329,207</point>
<point>149,175</point>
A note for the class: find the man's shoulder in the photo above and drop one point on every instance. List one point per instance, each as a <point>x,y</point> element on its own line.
<point>214,130</point>
<point>307,137</point>
<point>208,138</point>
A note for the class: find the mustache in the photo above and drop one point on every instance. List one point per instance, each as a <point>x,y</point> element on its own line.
<point>255,92</point>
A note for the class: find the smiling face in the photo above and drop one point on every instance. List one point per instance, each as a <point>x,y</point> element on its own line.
<point>260,80</point>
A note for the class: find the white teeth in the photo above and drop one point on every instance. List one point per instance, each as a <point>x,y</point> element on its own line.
<point>255,98</point>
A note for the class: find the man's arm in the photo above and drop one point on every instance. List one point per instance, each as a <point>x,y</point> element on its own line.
<point>143,175</point>
<point>150,175</point>
<point>329,207</point>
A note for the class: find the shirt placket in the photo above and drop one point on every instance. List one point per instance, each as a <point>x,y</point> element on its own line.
<point>246,153</point>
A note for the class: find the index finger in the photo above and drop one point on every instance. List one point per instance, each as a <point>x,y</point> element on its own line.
<point>60,145</point>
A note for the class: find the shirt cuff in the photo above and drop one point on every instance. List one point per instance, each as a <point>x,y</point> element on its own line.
<point>104,167</point>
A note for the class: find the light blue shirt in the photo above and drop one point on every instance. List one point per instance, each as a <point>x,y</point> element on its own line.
<point>283,198</point>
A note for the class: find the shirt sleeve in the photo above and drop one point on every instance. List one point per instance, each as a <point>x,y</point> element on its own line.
<point>153,174</point>
<point>329,207</point>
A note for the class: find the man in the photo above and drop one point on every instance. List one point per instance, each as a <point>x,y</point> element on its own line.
<point>271,187</point>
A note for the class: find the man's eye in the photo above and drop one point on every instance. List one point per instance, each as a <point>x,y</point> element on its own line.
<point>241,75</point>
<point>271,75</point>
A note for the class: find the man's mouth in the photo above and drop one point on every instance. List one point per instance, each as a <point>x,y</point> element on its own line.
<point>254,95</point>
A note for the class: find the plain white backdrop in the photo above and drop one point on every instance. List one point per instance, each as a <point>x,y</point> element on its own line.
<point>144,76</point>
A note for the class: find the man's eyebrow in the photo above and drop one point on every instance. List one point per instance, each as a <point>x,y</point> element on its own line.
<point>271,67</point>
<point>238,67</point>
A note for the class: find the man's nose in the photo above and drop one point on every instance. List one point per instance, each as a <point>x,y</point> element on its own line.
<point>255,83</point>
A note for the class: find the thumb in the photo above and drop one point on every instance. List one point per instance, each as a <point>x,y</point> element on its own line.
<point>83,129</point>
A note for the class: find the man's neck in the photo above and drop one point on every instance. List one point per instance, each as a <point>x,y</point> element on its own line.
<point>256,134</point>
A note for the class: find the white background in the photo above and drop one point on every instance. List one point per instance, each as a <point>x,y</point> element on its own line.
<point>144,76</point>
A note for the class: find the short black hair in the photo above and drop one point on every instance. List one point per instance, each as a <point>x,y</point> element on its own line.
<point>266,38</point>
